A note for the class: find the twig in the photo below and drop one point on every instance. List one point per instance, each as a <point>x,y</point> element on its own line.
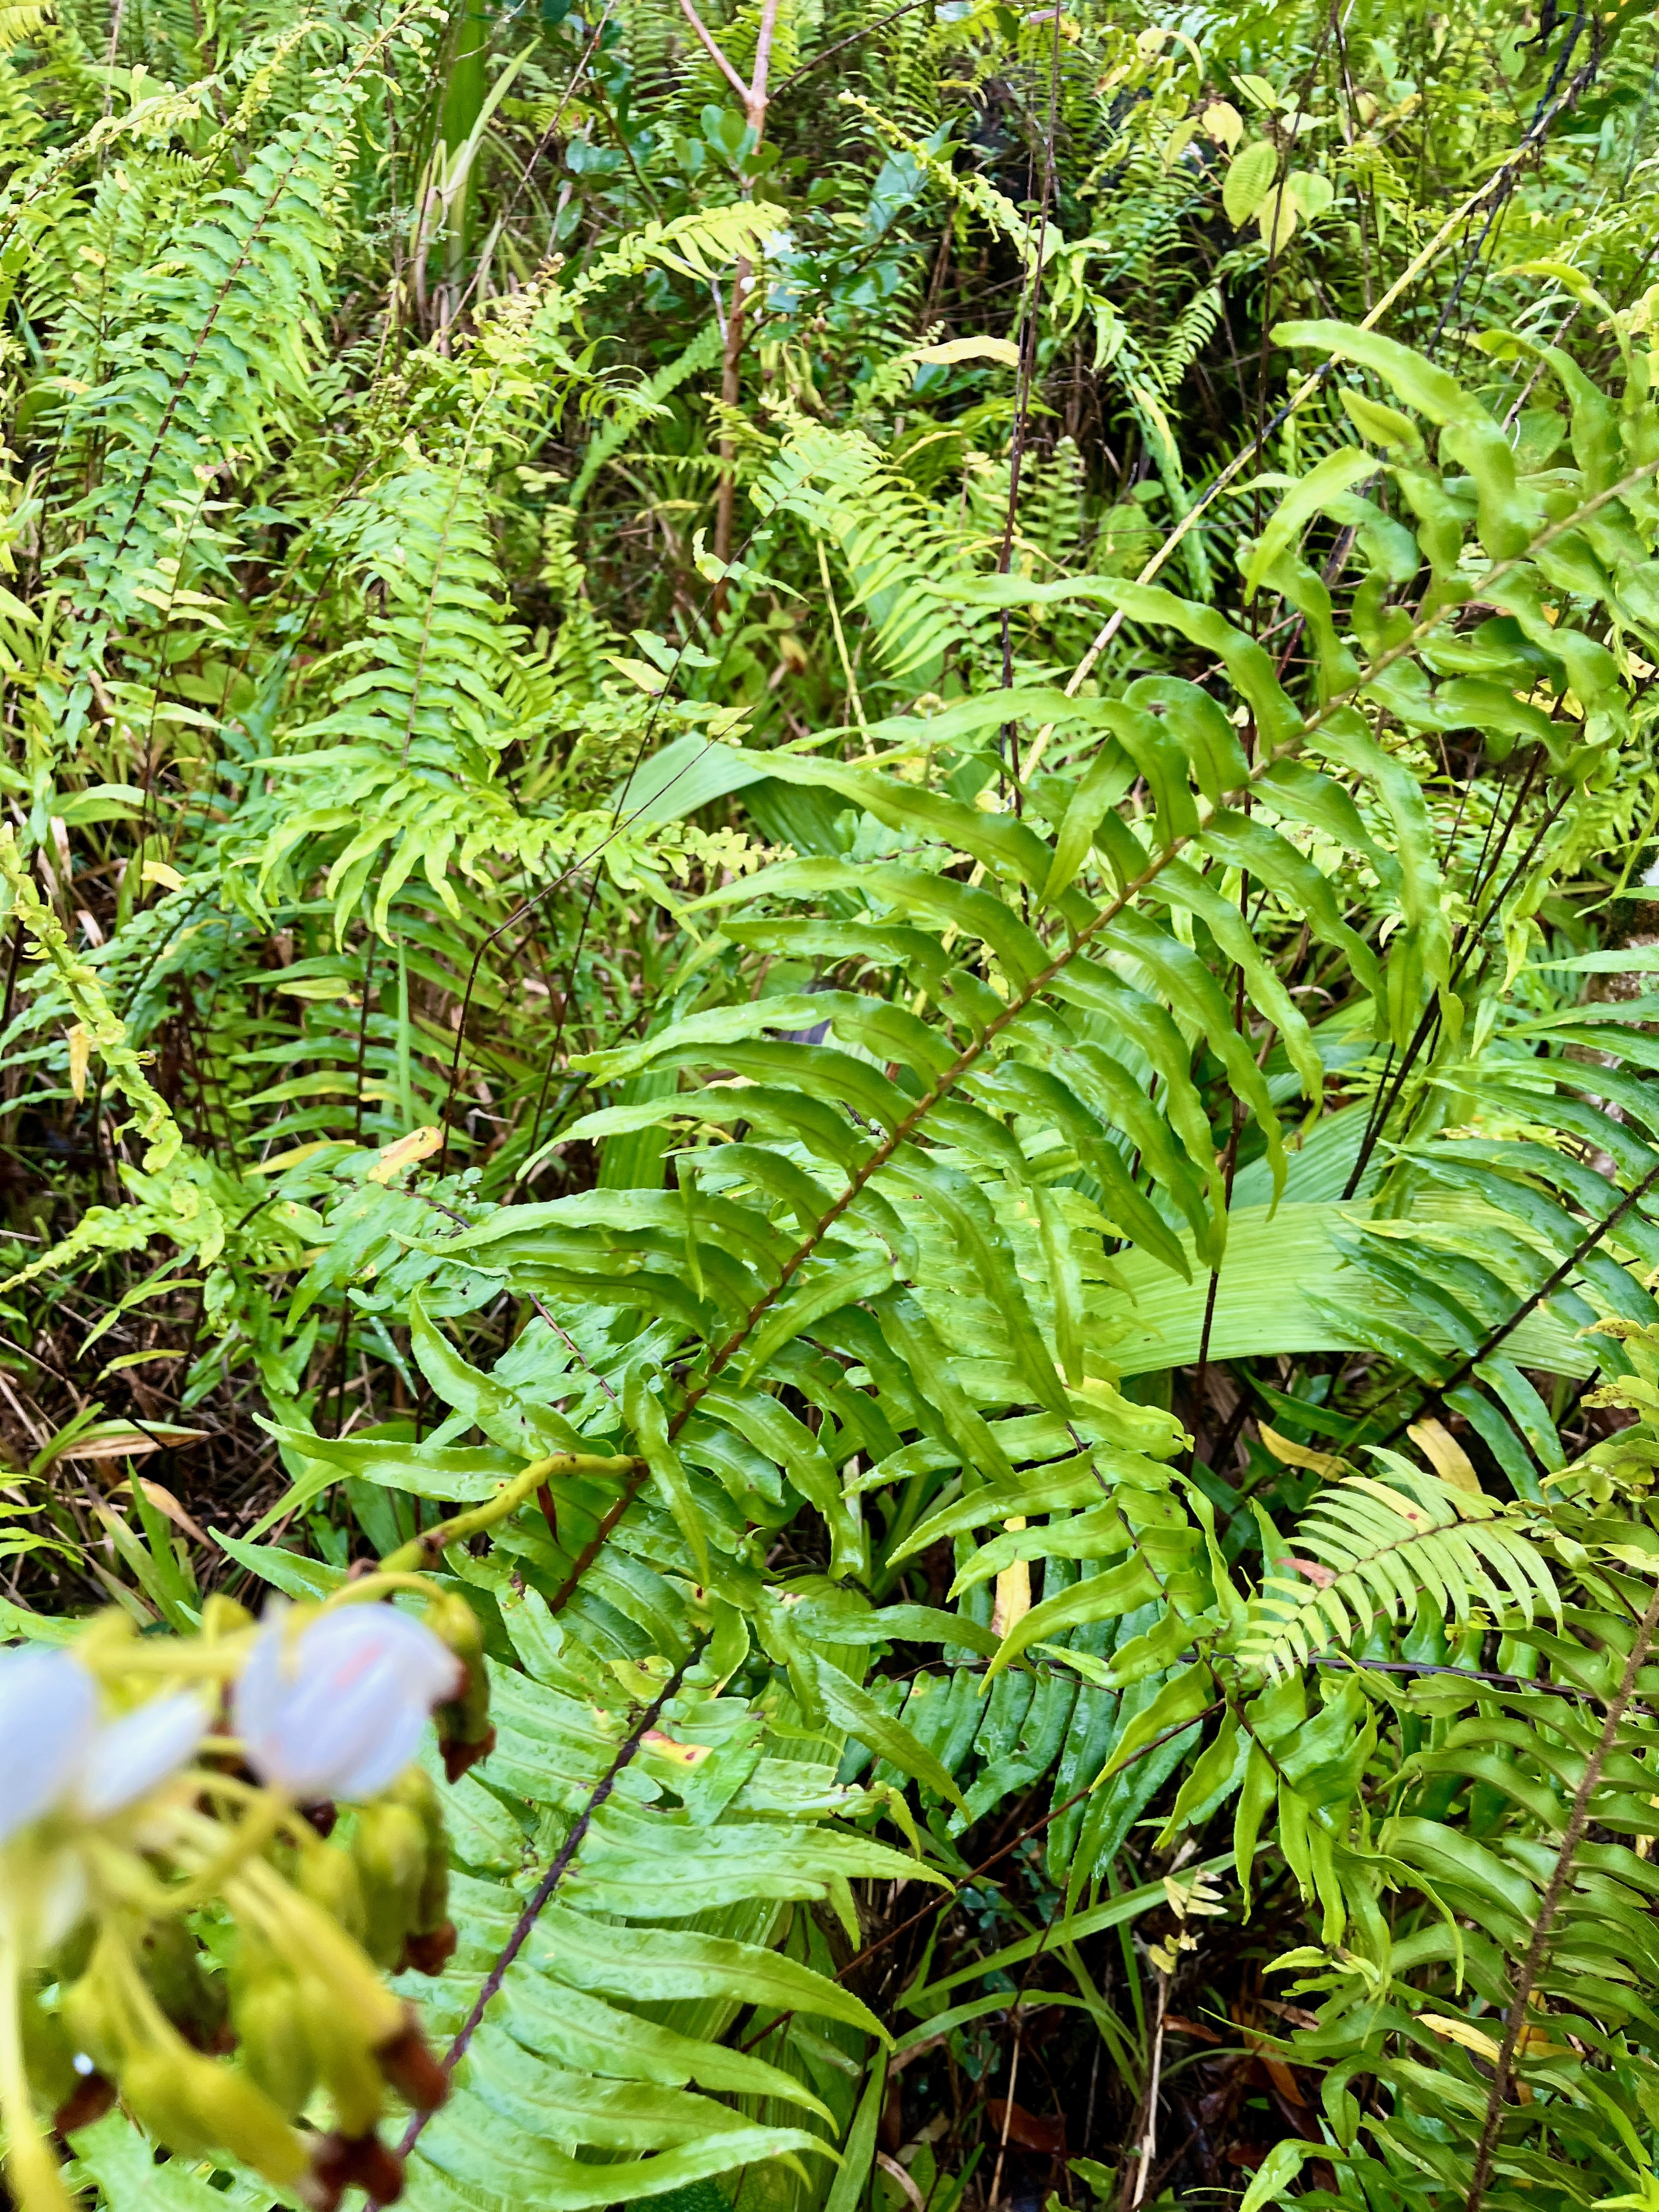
<point>541,147</point>
<point>1134,2178</point>
<point>1007,2106</point>
<point>718,58</point>
<point>864,31</point>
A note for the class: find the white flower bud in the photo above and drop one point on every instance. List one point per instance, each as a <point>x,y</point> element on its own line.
<point>54,1755</point>
<point>48,1715</point>
<point>337,1710</point>
<point>128,1758</point>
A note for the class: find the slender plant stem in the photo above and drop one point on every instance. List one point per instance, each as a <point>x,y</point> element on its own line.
<point>563,1861</point>
<point>1547,1289</point>
<point>428,1549</point>
<point>1577,1821</point>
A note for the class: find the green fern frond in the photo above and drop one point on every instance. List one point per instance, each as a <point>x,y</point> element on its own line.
<point>21,19</point>
<point>1375,1548</point>
<point>215,352</point>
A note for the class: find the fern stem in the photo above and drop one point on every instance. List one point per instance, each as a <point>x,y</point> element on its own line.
<point>1413,1667</point>
<point>1577,1821</point>
<point>1465,942</point>
<point>428,618</point>
<point>491,1986</point>
<point>595,1544</point>
<point>1021,1000</point>
<point>1547,1289</point>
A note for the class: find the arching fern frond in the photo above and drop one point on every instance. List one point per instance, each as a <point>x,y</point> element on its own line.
<point>214,357</point>
<point>897,549</point>
<point>1374,1547</point>
<point>402,774</point>
<point>20,20</point>
<point>1193,328</point>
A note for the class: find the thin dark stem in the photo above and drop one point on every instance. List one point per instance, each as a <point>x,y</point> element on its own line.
<point>550,1882</point>
<point>1413,1666</point>
<point>595,1544</point>
<point>1547,1289</point>
<point>865,31</point>
<point>1577,1821</point>
<point>541,147</point>
<point>1030,320</point>
<point>1467,942</point>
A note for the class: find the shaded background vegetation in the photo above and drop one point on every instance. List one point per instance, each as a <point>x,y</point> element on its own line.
<point>441,455</point>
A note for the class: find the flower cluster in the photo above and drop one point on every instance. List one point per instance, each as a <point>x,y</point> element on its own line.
<point>247,1798</point>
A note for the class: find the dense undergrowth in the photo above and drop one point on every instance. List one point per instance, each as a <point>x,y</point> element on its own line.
<point>827,866</point>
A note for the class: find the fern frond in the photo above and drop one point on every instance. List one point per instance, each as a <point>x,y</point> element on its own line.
<point>1376,1547</point>
<point>20,20</point>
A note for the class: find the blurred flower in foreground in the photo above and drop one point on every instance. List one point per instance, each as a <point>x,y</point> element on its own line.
<point>114,1843</point>
<point>55,1755</point>
<point>336,1708</point>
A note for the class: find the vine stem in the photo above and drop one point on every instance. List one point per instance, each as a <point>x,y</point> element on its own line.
<point>491,1986</point>
<point>1577,1821</point>
<point>428,1549</point>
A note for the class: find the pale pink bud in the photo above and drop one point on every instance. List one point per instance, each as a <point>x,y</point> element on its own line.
<point>337,1711</point>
